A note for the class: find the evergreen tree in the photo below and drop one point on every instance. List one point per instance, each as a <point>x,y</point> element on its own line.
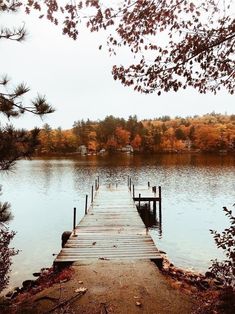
<point>14,144</point>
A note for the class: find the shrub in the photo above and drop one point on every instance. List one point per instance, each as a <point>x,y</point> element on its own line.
<point>225,269</point>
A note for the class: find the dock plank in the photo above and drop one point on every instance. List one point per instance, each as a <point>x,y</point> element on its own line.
<point>112,229</point>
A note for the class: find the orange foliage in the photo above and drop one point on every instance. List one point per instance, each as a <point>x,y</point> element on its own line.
<point>136,142</point>
<point>211,132</point>
<point>122,136</point>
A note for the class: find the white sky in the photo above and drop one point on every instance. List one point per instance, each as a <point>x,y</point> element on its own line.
<point>76,78</point>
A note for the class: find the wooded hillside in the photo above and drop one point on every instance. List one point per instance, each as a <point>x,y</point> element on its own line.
<point>209,133</point>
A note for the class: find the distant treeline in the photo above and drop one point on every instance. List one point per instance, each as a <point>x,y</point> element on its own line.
<point>209,133</point>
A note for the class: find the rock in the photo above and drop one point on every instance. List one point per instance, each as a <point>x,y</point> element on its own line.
<point>36,274</point>
<point>179,272</point>
<point>176,284</point>
<point>27,284</point>
<point>14,295</point>
<point>219,282</point>
<point>65,236</point>
<point>9,294</point>
<point>209,274</point>
<point>205,284</point>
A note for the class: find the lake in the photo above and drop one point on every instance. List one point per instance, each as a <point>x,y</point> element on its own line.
<point>43,192</point>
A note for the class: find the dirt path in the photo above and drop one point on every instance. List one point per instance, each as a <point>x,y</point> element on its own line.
<point>114,287</point>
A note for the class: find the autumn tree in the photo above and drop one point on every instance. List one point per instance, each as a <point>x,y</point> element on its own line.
<point>106,128</point>
<point>136,142</point>
<point>122,136</point>
<point>207,138</point>
<point>82,129</point>
<point>177,43</point>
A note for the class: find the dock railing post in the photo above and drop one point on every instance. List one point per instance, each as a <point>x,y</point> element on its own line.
<point>74,220</point>
<point>86,204</point>
<point>139,199</point>
<point>96,188</point>
<point>128,181</point>
<point>98,180</point>
<point>133,191</point>
<point>130,184</point>
<point>160,204</point>
<point>92,194</point>
<point>148,184</point>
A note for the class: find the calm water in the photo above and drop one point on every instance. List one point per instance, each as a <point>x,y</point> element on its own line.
<point>44,192</point>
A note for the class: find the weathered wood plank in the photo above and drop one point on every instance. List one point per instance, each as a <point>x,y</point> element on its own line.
<point>111,229</point>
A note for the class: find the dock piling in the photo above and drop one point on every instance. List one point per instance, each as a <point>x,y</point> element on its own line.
<point>160,204</point>
<point>86,204</point>
<point>74,220</point>
<point>160,197</point>
<point>92,194</point>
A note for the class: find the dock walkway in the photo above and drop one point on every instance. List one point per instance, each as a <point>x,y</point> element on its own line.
<point>112,229</point>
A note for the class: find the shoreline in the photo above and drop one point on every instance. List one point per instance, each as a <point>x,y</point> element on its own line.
<point>184,281</point>
<point>136,153</point>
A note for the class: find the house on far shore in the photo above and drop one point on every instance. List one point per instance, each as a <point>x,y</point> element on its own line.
<point>102,151</point>
<point>127,149</point>
<point>82,149</point>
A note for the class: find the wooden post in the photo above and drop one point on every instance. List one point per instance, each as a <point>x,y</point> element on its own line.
<point>92,194</point>
<point>148,184</point>
<point>154,207</point>
<point>160,204</point>
<point>160,218</point>
<point>96,188</point>
<point>130,184</point>
<point>146,214</point>
<point>86,204</point>
<point>133,191</point>
<point>155,216</point>
<point>128,181</point>
<point>98,178</point>
<point>74,220</point>
<point>160,192</point>
<point>139,200</point>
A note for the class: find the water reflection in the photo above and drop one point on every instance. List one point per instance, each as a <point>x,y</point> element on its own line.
<point>194,190</point>
<point>151,218</point>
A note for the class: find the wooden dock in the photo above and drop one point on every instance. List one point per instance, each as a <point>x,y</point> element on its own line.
<point>112,229</point>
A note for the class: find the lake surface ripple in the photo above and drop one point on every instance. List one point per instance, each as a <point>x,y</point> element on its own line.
<point>43,192</point>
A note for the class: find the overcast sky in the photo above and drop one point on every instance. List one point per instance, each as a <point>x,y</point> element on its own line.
<point>76,78</point>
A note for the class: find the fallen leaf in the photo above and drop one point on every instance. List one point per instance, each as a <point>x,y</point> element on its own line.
<point>138,303</point>
<point>82,289</point>
<point>135,297</point>
<point>80,282</point>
